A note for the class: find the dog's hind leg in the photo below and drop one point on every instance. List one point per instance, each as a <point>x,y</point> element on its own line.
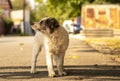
<point>35,52</point>
<point>59,62</point>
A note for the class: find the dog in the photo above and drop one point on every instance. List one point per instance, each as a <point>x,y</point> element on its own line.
<point>55,39</point>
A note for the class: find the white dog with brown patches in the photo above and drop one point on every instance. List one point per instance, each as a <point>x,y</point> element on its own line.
<point>54,38</point>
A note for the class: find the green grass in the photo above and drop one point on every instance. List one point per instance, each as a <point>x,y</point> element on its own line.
<point>103,43</point>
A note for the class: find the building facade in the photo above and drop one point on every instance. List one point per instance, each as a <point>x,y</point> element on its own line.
<point>101,16</point>
<point>100,20</point>
<point>5,9</point>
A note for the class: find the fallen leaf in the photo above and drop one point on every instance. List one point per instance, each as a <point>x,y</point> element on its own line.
<point>21,44</point>
<point>74,56</point>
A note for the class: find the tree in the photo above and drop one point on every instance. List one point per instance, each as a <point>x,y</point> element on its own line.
<point>64,9</point>
<point>18,4</point>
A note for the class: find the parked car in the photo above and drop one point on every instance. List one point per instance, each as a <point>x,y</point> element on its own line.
<point>68,25</point>
<point>72,26</point>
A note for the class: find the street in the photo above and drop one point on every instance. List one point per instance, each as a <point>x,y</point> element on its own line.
<point>82,63</point>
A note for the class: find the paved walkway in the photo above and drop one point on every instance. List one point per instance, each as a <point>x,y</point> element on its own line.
<point>82,62</point>
<point>78,49</point>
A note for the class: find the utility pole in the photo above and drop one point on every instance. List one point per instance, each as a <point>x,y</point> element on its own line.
<point>24,5</point>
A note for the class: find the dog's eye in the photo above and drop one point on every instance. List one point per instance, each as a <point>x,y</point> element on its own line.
<point>44,28</point>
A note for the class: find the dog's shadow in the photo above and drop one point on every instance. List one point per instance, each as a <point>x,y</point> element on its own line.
<point>21,72</point>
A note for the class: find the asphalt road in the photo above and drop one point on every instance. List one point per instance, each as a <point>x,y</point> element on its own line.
<point>82,62</point>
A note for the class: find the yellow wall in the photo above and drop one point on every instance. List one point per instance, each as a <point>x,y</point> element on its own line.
<point>100,16</point>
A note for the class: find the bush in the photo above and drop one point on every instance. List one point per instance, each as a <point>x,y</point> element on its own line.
<point>8,25</point>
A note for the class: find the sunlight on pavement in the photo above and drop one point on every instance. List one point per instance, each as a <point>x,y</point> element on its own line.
<point>77,36</point>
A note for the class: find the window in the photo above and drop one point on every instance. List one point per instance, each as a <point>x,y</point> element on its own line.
<point>90,12</point>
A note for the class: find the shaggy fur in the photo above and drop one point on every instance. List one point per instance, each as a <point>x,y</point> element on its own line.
<point>55,40</point>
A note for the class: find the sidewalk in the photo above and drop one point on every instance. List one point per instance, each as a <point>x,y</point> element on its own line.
<point>82,62</point>
<point>86,54</point>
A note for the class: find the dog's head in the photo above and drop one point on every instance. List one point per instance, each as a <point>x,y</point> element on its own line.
<point>46,25</point>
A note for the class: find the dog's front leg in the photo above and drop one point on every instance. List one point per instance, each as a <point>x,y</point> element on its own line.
<point>49,61</point>
<point>35,52</point>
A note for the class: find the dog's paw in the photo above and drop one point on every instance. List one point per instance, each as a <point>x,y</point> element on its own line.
<point>33,72</point>
<point>52,75</point>
<point>63,74</point>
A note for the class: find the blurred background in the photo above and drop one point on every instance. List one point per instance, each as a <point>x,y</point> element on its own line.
<point>94,32</point>
<point>77,16</point>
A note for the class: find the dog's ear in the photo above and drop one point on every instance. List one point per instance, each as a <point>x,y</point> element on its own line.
<point>52,23</point>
